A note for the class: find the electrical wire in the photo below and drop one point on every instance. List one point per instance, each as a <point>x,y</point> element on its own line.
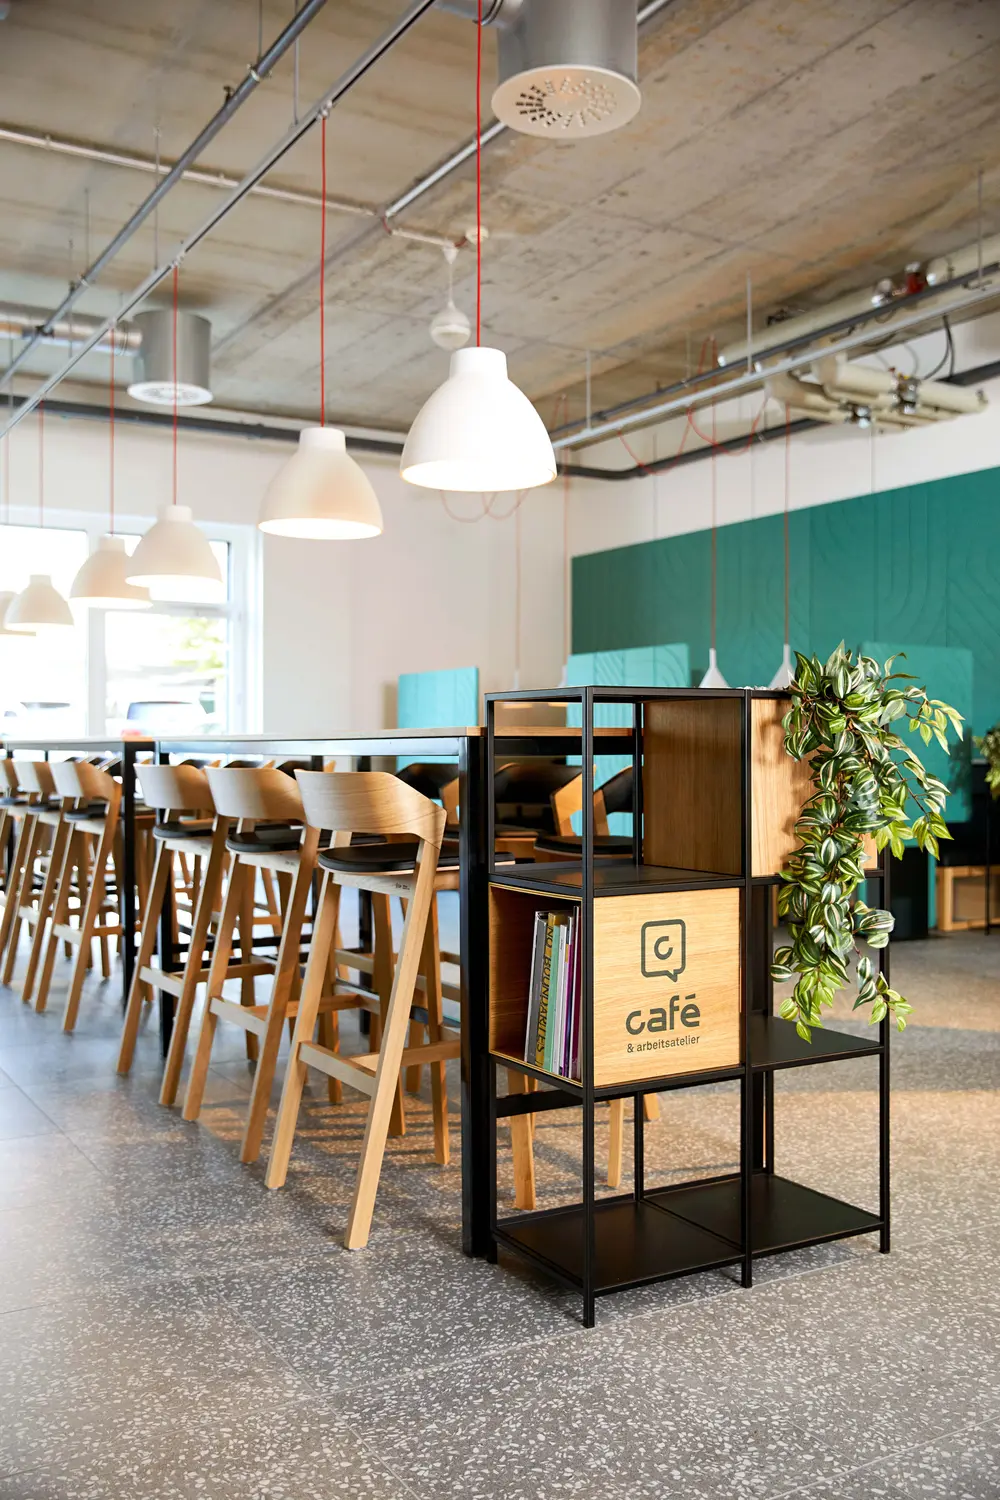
<point>41,464</point>
<point>949,353</point>
<point>322,277</point>
<point>111,424</point>
<point>175,385</point>
<point>479,176</point>
<point>788,489</point>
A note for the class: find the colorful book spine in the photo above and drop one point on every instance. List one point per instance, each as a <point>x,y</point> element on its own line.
<point>543,1000</point>
<point>535,989</point>
<point>551,1063</point>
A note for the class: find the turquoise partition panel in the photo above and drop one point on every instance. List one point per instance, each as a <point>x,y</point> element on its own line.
<point>948,673</point>
<point>437,700</point>
<point>639,666</point>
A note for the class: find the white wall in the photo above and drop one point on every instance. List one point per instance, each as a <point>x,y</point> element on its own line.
<point>337,622</point>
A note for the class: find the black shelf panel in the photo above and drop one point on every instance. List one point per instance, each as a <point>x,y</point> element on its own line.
<point>774,1043</point>
<point>652,1085</point>
<point>784,1214</point>
<point>613,878</point>
<point>635,1244</point>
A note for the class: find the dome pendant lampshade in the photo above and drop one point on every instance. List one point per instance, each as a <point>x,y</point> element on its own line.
<point>321,494</point>
<point>37,607</point>
<point>478,432</point>
<point>101,581</point>
<point>6,599</point>
<point>713,678</point>
<point>175,557</point>
<point>785,675</point>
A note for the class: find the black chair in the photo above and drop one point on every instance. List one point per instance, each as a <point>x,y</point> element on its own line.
<point>615,796</point>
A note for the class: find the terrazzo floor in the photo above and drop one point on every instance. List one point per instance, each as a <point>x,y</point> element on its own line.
<point>168,1328</point>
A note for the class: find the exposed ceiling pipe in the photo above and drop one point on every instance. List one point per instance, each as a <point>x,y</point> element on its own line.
<point>255,75</point>
<point>22,322</point>
<point>708,388</point>
<point>203,177</point>
<point>302,125</point>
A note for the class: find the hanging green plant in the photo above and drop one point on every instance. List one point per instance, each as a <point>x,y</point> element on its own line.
<point>989,747</point>
<point>843,719</point>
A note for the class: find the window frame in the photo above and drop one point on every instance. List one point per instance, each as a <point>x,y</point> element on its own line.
<point>242,610</point>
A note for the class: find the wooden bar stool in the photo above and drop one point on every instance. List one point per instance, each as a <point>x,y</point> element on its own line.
<point>34,779</point>
<point>188,831</point>
<point>13,797</point>
<point>94,818</point>
<point>266,806</point>
<point>372,803</point>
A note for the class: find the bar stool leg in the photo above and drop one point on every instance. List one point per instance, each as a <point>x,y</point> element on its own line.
<point>616,1137</point>
<point>162,871</point>
<point>382,977</point>
<point>60,915</point>
<point>45,904</point>
<point>208,893</point>
<point>431,968</point>
<point>216,979</point>
<point>25,889</point>
<point>15,879</point>
<point>91,915</point>
<point>521,1146</point>
<point>247,993</point>
<point>322,946</point>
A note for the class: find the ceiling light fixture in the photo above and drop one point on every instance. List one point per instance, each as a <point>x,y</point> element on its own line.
<point>163,376</point>
<point>785,675</point>
<point>101,580</point>
<point>321,494</point>
<point>40,605</point>
<point>478,432</point>
<point>713,678</point>
<point>451,328</point>
<point>175,555</point>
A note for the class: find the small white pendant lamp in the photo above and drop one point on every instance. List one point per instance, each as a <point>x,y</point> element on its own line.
<point>785,675</point>
<point>174,556</point>
<point>478,432</point>
<point>40,605</point>
<point>7,597</point>
<point>713,678</point>
<point>321,493</point>
<point>37,607</point>
<point>101,581</point>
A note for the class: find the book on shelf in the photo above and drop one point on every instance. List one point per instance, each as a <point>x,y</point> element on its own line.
<point>553,1023</point>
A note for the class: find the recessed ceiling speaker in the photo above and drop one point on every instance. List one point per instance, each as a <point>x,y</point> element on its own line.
<point>155,359</point>
<point>568,69</point>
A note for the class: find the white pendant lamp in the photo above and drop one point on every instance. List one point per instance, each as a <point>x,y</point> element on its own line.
<point>37,607</point>
<point>40,605</point>
<point>7,596</point>
<point>174,556</point>
<point>478,432</point>
<point>321,493</point>
<point>713,678</point>
<point>785,675</point>
<point>101,582</point>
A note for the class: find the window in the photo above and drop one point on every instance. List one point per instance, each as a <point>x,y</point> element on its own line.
<point>177,668</point>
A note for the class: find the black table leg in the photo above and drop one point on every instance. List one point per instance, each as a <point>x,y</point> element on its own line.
<point>165,943</point>
<point>474,917</point>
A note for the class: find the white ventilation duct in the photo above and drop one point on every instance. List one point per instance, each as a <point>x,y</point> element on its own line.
<point>843,392</point>
<point>568,69</point>
<point>155,360</point>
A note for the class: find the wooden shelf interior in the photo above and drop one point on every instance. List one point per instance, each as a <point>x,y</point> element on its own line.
<point>692,783</point>
<point>512,925</point>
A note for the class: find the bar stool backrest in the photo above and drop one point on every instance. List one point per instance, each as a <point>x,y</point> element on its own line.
<point>10,774</point>
<point>175,788</point>
<point>263,794</point>
<point>35,776</point>
<point>80,780</point>
<point>369,802</point>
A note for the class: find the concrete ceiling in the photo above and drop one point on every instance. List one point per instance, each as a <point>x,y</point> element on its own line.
<point>814,145</point>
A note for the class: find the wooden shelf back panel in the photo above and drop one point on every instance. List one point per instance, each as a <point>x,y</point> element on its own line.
<point>779,786</point>
<point>692,784</point>
<point>512,927</point>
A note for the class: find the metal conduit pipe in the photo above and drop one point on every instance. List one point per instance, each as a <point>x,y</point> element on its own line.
<point>23,322</point>
<point>306,121</point>
<point>255,75</point>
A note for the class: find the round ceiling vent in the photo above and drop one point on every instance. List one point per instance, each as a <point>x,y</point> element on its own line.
<point>568,68</point>
<point>568,103</point>
<point>155,380</point>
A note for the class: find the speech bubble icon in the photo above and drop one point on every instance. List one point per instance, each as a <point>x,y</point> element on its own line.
<point>664,949</point>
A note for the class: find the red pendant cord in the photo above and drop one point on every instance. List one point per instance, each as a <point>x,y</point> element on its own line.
<point>479,177</point>
<point>41,463</point>
<point>788,486</point>
<point>175,385</point>
<point>111,412</point>
<point>322,282</point>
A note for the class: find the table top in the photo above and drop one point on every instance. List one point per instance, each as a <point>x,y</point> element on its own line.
<point>82,742</point>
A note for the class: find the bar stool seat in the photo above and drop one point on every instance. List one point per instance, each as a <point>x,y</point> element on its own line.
<point>394,858</point>
<point>606,846</point>
<point>273,840</point>
<point>82,814</point>
<point>178,830</point>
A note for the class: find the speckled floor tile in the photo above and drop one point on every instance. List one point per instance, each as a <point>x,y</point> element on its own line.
<point>21,1117</point>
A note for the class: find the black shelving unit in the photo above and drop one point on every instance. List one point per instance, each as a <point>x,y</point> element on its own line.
<point>654,1233</point>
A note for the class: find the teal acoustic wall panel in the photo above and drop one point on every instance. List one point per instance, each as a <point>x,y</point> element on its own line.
<point>950,670</point>
<point>915,565</point>
<point>437,700</point>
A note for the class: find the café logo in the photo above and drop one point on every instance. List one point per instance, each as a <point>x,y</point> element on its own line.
<point>664,955</point>
<point>664,949</point>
